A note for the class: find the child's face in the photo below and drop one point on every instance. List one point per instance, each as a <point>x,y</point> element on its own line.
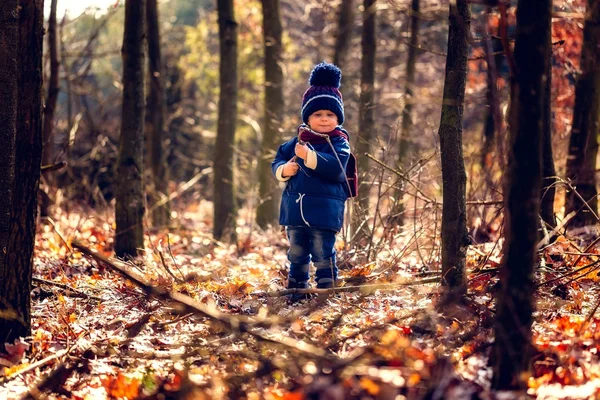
<point>322,121</point>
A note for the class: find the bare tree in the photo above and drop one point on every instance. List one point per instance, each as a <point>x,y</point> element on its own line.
<point>53,89</point>
<point>404,141</point>
<point>583,145</point>
<point>16,271</point>
<point>454,211</point>
<point>268,190</point>
<point>9,35</point>
<point>129,206</point>
<point>548,170</point>
<point>512,348</point>
<point>225,210</point>
<point>344,32</point>
<point>155,117</point>
<point>50,105</point>
<point>366,123</point>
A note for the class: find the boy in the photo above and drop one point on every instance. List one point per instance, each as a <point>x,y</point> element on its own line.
<point>312,204</point>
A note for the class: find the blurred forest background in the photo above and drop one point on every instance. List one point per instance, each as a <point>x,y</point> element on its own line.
<point>87,117</point>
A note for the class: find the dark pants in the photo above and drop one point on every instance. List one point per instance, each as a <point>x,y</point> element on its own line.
<point>308,244</point>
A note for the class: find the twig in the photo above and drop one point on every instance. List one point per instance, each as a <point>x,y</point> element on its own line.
<point>67,288</point>
<point>37,364</point>
<point>568,274</point>
<point>558,227</point>
<point>370,246</point>
<point>484,202</point>
<point>164,264</point>
<point>181,189</point>
<point>59,233</point>
<point>573,253</point>
<point>403,177</point>
<point>588,248</point>
<point>53,167</point>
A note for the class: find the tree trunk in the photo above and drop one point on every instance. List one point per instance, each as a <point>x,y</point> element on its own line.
<point>404,142</point>
<point>225,212</point>
<point>454,222</point>
<point>155,111</point>
<point>15,281</point>
<point>366,123</point>
<point>548,171</point>
<point>9,38</point>
<point>129,206</point>
<point>583,145</point>
<point>53,89</point>
<point>268,190</point>
<point>49,108</point>
<point>512,348</point>
<point>344,32</point>
<point>492,122</point>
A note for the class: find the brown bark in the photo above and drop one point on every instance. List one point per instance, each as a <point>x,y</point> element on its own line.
<point>493,116</point>
<point>548,170</point>
<point>155,112</point>
<point>129,205</point>
<point>8,114</point>
<point>366,123</point>
<point>512,348</point>
<point>407,122</point>
<point>583,145</point>
<point>405,141</point>
<point>225,211</point>
<point>454,230</point>
<point>344,32</point>
<point>15,281</point>
<point>53,89</point>
<point>268,189</point>
<point>49,108</point>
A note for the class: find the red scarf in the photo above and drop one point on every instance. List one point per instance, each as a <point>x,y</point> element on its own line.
<point>305,134</point>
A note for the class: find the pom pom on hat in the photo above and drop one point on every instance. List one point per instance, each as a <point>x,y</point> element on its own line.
<point>323,94</point>
<point>325,74</point>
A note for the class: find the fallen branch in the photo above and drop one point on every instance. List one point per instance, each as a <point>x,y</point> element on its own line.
<point>364,289</point>
<point>53,167</point>
<point>35,365</point>
<point>67,288</point>
<point>231,323</point>
<point>484,202</point>
<point>53,381</point>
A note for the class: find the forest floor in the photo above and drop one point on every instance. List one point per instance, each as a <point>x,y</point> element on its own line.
<point>217,330</point>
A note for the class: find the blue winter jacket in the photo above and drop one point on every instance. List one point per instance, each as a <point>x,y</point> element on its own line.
<point>315,197</point>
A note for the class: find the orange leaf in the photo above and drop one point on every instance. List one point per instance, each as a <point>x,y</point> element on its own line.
<point>371,387</point>
<point>121,386</point>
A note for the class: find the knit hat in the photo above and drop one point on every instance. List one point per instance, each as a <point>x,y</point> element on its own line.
<point>323,93</point>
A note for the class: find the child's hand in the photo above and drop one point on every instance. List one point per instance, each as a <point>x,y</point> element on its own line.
<point>290,168</point>
<point>302,151</point>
